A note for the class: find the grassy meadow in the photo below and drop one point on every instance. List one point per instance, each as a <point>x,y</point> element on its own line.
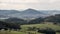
<point>25,27</point>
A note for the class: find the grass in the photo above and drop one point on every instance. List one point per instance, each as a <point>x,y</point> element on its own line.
<point>15,32</point>
<point>12,32</point>
<point>55,27</point>
<point>24,29</point>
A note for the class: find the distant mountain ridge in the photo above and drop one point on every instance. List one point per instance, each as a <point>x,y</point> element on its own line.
<point>28,13</point>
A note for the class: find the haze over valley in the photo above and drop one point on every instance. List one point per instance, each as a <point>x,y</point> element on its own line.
<point>28,13</point>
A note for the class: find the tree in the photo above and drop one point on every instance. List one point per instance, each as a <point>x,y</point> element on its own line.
<point>47,31</point>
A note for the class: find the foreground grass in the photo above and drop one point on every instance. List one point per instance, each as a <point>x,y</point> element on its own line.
<point>55,27</point>
<point>12,32</point>
<point>16,32</point>
<point>24,29</point>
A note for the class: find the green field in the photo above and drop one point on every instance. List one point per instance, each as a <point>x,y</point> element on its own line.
<point>55,27</point>
<point>25,27</point>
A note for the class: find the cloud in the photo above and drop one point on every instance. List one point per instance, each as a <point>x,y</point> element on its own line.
<point>36,4</point>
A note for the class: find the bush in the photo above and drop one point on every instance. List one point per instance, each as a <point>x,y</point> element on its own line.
<point>47,31</point>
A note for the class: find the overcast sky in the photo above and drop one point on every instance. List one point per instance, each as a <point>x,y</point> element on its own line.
<point>35,4</point>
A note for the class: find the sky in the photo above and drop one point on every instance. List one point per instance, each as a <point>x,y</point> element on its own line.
<point>25,4</point>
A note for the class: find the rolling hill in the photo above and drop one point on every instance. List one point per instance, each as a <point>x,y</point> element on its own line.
<point>28,13</point>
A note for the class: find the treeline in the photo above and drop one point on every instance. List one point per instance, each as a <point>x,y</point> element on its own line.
<point>54,19</point>
<point>9,26</point>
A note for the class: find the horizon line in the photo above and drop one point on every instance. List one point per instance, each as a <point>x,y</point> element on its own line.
<point>29,8</point>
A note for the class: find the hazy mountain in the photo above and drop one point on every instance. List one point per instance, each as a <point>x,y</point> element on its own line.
<point>28,13</point>
<point>7,13</point>
<point>51,12</point>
